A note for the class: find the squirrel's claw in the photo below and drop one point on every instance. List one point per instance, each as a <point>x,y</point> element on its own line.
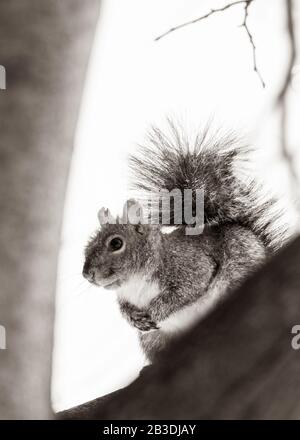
<point>138,318</point>
<point>142,321</point>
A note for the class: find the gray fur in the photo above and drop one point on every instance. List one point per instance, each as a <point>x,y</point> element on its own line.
<point>169,161</point>
<point>218,259</point>
<point>238,236</point>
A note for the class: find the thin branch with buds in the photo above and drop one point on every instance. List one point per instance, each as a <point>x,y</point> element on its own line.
<point>246,4</point>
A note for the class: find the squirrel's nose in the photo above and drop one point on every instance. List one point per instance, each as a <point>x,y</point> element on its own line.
<point>89,272</point>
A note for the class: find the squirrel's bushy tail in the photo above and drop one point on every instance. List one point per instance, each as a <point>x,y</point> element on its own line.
<point>169,162</point>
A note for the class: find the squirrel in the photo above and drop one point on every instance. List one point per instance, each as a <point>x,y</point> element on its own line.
<point>165,282</point>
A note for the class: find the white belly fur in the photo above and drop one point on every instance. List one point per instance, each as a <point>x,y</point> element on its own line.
<point>139,292</point>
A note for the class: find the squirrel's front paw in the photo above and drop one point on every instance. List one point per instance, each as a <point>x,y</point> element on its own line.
<point>142,320</point>
<point>138,318</point>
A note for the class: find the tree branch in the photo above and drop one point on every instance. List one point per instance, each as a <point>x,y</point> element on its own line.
<point>237,363</point>
<point>292,41</point>
<point>246,4</point>
<point>287,156</point>
<point>212,12</point>
<point>282,99</point>
<point>245,25</point>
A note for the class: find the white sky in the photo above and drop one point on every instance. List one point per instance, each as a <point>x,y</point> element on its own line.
<point>201,71</point>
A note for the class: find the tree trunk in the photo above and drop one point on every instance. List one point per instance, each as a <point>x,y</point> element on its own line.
<point>44,48</point>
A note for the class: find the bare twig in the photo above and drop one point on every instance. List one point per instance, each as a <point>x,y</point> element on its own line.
<point>212,12</point>
<point>246,4</point>
<point>281,99</point>
<point>245,25</point>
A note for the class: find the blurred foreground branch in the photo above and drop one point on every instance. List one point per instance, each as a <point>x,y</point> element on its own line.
<point>238,363</point>
<point>292,41</point>
<point>282,98</point>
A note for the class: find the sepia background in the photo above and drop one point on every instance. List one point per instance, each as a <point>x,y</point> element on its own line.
<point>201,72</point>
<point>83,82</point>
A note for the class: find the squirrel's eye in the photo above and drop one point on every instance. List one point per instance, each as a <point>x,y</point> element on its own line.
<point>115,244</point>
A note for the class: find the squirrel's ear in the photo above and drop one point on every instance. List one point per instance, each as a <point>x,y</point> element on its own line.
<point>132,212</point>
<point>104,216</point>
